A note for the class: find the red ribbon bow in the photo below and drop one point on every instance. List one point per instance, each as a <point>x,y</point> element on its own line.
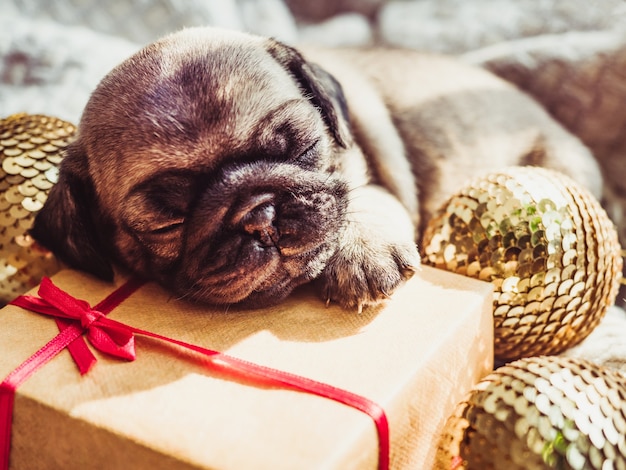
<point>107,336</point>
<point>75,317</point>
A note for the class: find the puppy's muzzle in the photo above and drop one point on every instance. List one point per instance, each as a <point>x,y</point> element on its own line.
<point>259,231</point>
<point>263,218</point>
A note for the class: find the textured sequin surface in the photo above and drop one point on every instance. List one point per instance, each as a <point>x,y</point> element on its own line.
<point>547,246</point>
<point>30,147</point>
<point>540,413</point>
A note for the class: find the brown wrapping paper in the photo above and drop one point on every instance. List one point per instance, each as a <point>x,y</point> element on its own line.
<point>416,356</point>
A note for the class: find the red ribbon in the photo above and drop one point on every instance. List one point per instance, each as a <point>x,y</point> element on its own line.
<point>75,317</point>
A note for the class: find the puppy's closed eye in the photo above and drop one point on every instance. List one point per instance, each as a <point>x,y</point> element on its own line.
<point>174,223</point>
<point>160,207</point>
<point>309,156</point>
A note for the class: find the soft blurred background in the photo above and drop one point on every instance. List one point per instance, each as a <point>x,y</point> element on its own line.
<point>569,54</point>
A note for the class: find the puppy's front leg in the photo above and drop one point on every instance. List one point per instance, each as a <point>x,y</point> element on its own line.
<point>376,252</point>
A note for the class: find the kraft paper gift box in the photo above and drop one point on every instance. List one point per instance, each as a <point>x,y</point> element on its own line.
<point>416,356</point>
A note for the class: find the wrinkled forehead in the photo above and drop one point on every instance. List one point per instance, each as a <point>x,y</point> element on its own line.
<point>226,68</point>
<point>196,95</point>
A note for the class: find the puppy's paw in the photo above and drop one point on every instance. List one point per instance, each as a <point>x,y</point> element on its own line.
<point>365,272</point>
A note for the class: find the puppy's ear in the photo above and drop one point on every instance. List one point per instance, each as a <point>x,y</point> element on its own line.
<point>323,90</point>
<point>66,225</point>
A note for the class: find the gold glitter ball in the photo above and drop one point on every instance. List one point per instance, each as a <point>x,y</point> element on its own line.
<point>547,246</point>
<point>540,413</point>
<point>30,151</point>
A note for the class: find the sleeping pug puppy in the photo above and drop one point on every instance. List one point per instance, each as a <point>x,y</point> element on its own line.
<point>232,168</point>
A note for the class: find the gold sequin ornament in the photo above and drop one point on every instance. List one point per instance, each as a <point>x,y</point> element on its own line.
<point>30,150</point>
<point>544,412</point>
<point>547,246</point>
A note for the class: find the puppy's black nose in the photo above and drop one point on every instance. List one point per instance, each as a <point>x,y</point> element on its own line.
<point>260,224</point>
<point>258,218</point>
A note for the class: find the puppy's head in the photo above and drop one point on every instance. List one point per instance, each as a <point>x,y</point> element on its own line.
<point>205,162</point>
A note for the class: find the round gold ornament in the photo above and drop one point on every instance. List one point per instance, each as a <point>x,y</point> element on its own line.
<point>547,246</point>
<point>540,413</point>
<point>30,151</point>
